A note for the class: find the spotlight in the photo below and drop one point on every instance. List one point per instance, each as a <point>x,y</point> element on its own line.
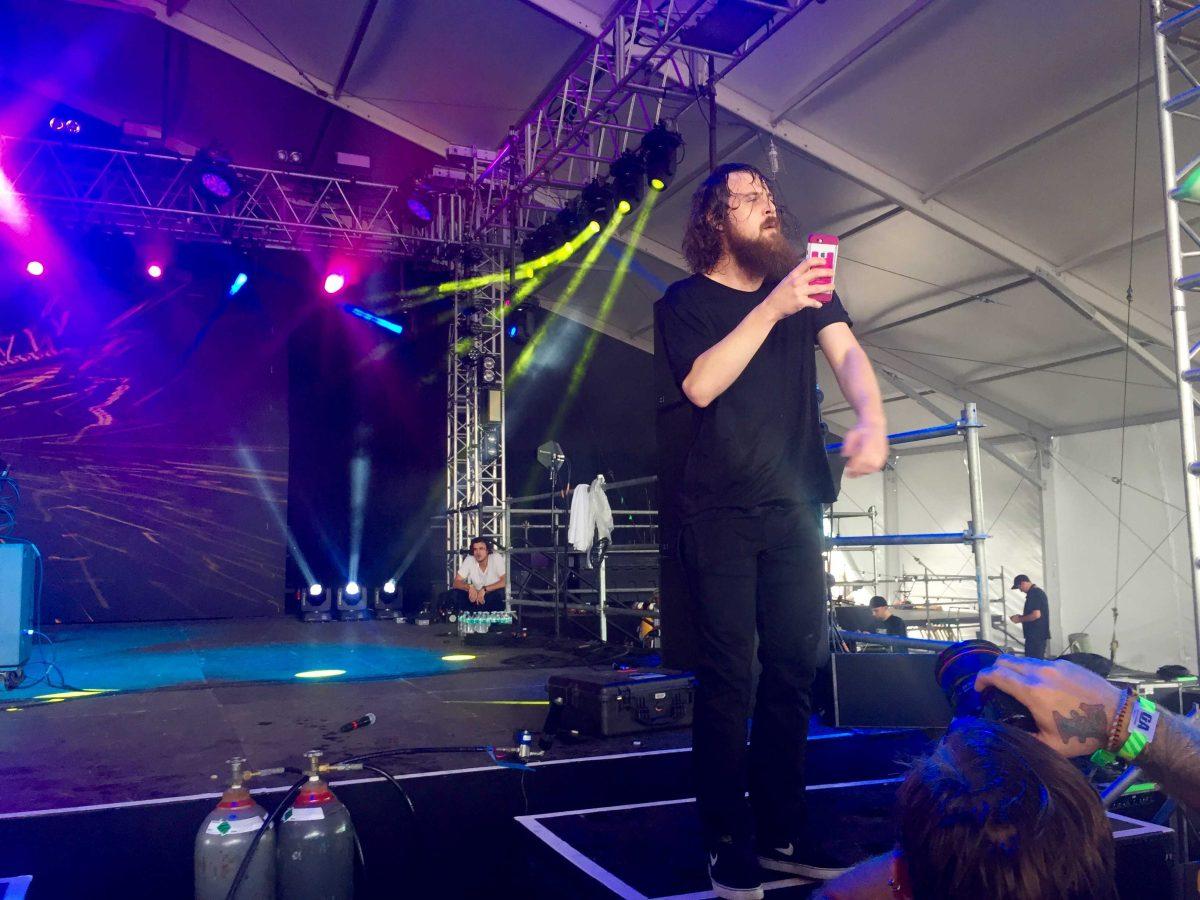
<point>489,371</point>
<point>570,220</point>
<point>316,589</point>
<point>34,268</point>
<point>64,125</point>
<point>624,206</point>
<point>512,331</point>
<point>628,175</point>
<point>352,588</point>
<point>154,270</point>
<point>239,282</point>
<point>489,448</point>
<point>213,176</point>
<point>334,282</point>
<point>389,586</point>
<point>596,201</point>
<point>660,149</point>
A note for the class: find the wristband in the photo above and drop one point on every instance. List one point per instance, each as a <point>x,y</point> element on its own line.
<point>1141,729</point>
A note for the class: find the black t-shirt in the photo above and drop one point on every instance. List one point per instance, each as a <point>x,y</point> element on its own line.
<point>895,626</point>
<point>1036,599</point>
<point>759,444</point>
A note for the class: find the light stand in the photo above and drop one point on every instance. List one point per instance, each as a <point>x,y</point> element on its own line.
<point>551,455</point>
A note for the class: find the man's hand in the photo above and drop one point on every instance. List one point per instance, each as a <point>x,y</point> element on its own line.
<point>795,291</point>
<point>1073,708</point>
<point>475,596</point>
<point>865,449</point>
<point>1015,617</point>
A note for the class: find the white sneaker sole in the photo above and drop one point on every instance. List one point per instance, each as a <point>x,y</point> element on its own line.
<point>775,864</point>
<point>732,893</point>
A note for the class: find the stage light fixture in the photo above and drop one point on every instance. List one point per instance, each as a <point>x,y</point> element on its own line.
<point>239,282</point>
<point>596,202</point>
<point>63,125</point>
<point>316,589</point>
<point>512,331</point>
<point>660,150</point>
<point>628,175</point>
<point>352,588</point>
<point>35,268</point>
<point>569,220</point>
<point>334,282</point>
<point>489,371</point>
<point>489,447</point>
<point>154,270</point>
<point>213,176</point>
<point>389,586</point>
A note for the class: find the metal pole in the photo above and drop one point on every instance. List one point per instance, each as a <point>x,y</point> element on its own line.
<point>974,473</point>
<point>1179,324</point>
<point>712,113</point>
<point>603,599</point>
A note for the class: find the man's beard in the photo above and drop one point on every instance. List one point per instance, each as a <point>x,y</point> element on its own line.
<point>769,255</point>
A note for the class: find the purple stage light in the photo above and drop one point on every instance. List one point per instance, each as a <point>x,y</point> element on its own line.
<point>217,185</point>
<point>35,268</point>
<point>334,282</point>
<point>154,270</point>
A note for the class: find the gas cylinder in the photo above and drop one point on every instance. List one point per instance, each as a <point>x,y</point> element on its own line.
<point>315,847</point>
<point>223,839</point>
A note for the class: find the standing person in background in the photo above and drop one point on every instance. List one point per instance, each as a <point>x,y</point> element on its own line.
<point>1035,620</point>
<point>892,624</point>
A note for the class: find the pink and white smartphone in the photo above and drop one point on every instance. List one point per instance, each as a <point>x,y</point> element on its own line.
<point>824,247</point>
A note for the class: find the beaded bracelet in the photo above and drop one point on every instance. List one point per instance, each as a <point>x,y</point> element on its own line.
<point>1107,755</point>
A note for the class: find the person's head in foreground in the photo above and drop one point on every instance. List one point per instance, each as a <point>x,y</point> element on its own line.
<point>879,608</point>
<point>991,813</point>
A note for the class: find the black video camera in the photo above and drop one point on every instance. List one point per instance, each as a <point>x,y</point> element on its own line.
<point>956,669</point>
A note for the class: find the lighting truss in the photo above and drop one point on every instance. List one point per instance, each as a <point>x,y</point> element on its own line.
<point>639,70</point>
<point>137,191</point>
<point>475,478</point>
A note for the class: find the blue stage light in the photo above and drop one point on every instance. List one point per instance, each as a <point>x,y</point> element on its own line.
<point>395,327</point>
<point>239,282</point>
<point>512,330</point>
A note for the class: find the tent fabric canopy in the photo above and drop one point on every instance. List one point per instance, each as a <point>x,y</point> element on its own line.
<point>971,141</point>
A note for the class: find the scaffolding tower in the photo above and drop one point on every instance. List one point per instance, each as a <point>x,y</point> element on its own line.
<point>1178,25</point>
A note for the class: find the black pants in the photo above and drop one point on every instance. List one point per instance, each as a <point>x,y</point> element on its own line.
<point>761,574</point>
<point>1035,647</point>
<point>460,601</point>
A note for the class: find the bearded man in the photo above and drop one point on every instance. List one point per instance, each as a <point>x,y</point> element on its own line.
<point>739,338</point>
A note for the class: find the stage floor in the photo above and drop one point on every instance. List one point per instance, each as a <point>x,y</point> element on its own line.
<point>173,701</point>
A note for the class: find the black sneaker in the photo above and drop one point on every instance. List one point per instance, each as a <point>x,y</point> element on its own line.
<point>733,872</point>
<point>807,859</point>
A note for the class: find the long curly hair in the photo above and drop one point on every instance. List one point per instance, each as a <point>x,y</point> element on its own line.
<point>702,244</point>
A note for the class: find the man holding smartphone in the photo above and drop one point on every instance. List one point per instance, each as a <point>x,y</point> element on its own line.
<point>739,338</point>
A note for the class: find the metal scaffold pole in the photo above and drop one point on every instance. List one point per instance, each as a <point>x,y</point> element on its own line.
<point>1181,186</point>
<point>971,426</point>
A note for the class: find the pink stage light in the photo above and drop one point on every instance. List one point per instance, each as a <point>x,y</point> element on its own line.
<point>154,270</point>
<point>334,282</point>
<point>34,268</point>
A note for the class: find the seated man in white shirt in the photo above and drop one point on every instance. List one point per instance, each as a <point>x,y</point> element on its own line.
<point>479,584</point>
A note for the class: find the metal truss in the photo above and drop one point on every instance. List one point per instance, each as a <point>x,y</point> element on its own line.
<point>475,439</point>
<point>650,62</point>
<point>137,191</point>
<point>1173,30</point>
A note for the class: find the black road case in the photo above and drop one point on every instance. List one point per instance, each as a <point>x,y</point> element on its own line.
<point>608,703</point>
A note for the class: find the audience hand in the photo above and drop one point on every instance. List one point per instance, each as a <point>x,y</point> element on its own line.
<point>1073,708</point>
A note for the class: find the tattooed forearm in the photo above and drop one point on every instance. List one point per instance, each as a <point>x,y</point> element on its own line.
<point>1089,722</point>
<point>1173,759</point>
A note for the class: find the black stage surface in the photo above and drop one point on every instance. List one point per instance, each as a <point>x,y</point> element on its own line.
<point>105,789</point>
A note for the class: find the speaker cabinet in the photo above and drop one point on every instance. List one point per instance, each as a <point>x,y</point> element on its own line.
<point>17,562</point>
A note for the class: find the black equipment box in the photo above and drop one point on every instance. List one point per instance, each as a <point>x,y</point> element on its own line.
<point>896,690</point>
<point>613,702</point>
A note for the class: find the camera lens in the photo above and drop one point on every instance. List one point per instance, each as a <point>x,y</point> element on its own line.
<point>955,671</point>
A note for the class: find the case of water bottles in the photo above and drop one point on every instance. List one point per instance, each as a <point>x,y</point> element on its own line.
<point>481,622</point>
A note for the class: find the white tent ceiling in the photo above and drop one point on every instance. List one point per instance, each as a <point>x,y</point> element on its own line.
<point>1004,131</point>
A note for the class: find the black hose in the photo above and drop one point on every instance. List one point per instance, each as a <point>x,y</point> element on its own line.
<point>396,784</point>
<point>262,829</point>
